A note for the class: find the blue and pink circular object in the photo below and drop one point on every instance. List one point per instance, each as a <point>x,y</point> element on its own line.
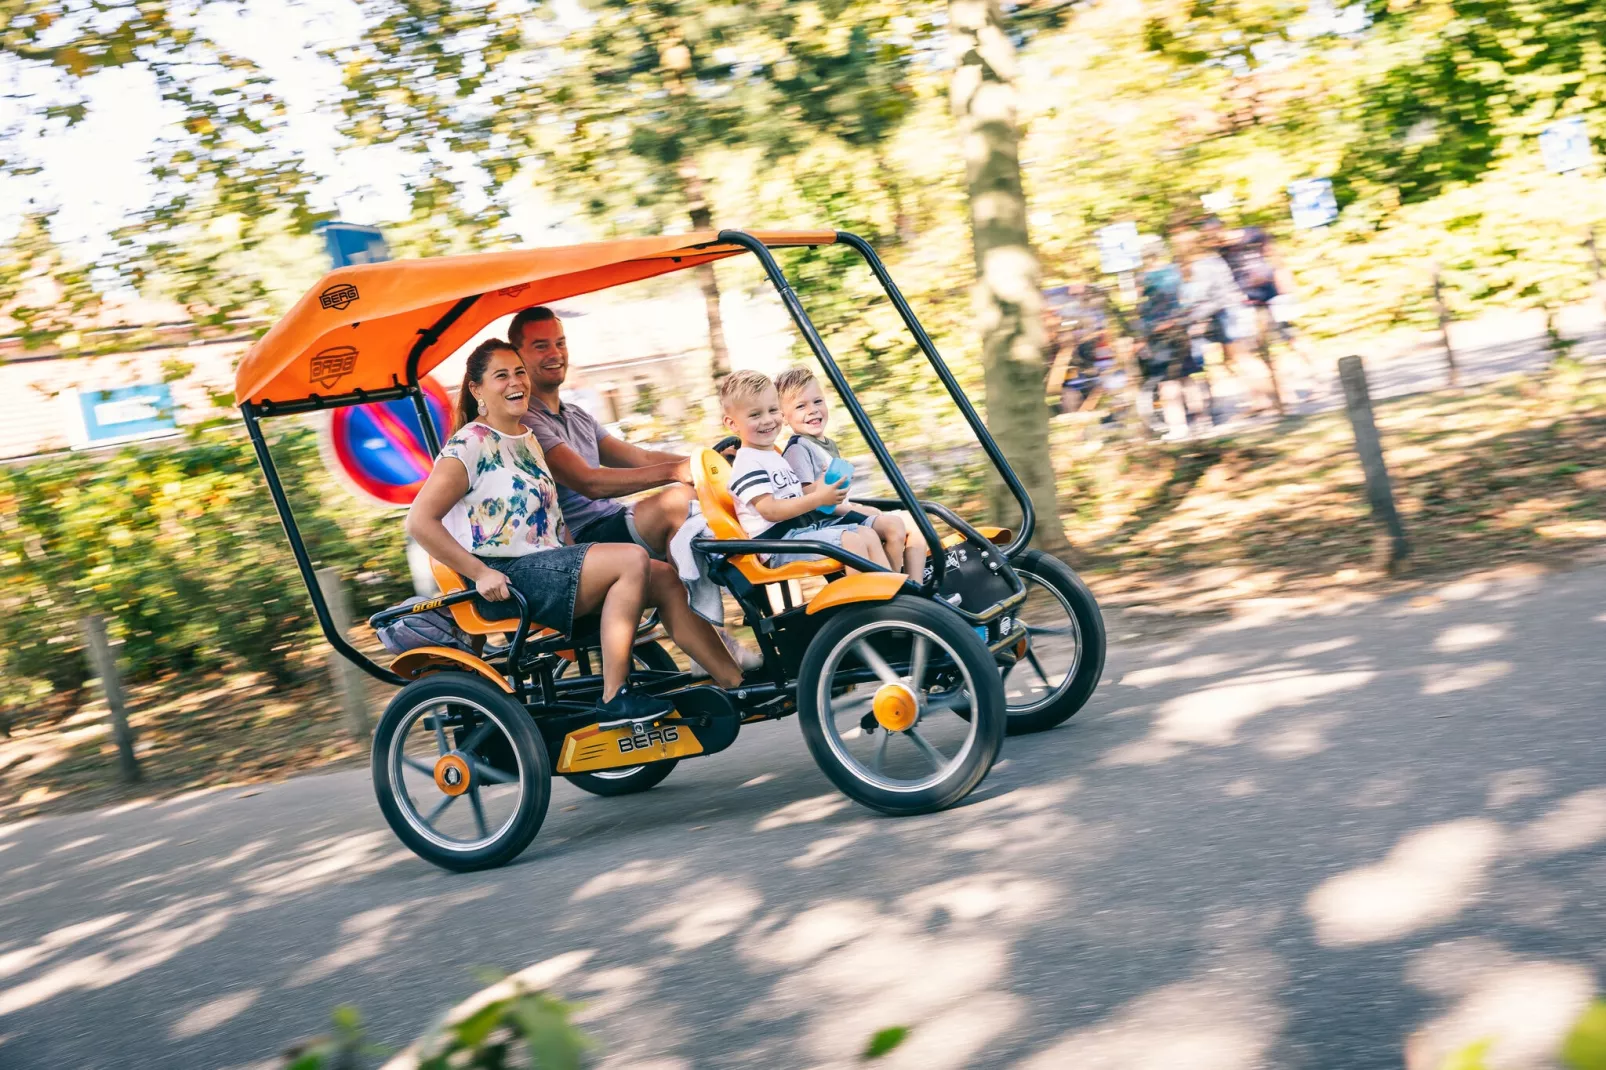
<point>380,448</point>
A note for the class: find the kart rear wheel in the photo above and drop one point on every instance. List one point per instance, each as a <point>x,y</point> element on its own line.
<point>925,660</point>
<point>1065,637</point>
<point>460,774</point>
<point>632,779</point>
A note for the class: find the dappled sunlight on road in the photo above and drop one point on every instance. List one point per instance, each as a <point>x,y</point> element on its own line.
<point>1227,1019</point>
<point>1574,823</point>
<point>817,808</point>
<point>1522,1008</point>
<point>215,1013</point>
<point>702,912</point>
<point>1447,679</point>
<point>1212,716</point>
<point>1427,879</point>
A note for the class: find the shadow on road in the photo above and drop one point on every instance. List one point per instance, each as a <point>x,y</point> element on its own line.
<point>1312,839</point>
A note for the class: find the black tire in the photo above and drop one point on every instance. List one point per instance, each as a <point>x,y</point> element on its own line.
<point>633,779</point>
<point>820,722</point>
<point>461,693</point>
<point>1071,693</point>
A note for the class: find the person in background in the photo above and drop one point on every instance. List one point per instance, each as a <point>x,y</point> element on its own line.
<point>1251,253</point>
<point>1214,309</point>
<point>1168,361</point>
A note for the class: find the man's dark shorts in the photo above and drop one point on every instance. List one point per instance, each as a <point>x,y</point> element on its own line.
<point>617,526</point>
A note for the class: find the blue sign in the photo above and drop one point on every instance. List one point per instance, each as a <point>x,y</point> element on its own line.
<point>121,413</point>
<point>350,244</point>
<point>1311,203</point>
<point>1565,145</point>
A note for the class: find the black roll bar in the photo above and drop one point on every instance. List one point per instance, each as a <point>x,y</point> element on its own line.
<point>737,547</point>
<point>861,419</point>
<point>287,517</point>
<point>988,443</point>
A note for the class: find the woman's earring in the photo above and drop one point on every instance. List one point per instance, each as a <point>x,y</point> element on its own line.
<point>482,407</point>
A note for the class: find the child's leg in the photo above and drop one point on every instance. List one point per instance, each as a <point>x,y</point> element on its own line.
<point>914,556</point>
<point>866,545</point>
<point>889,529</point>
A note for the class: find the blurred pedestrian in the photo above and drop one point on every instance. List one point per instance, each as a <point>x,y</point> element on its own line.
<point>1167,360</point>
<point>1216,311</point>
<point>1251,253</point>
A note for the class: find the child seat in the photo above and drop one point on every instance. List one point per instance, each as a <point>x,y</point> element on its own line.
<point>711,475</point>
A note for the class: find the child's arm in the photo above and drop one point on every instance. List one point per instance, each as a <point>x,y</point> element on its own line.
<point>817,494</point>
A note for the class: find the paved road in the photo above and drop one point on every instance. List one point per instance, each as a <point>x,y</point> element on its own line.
<point>1284,840</point>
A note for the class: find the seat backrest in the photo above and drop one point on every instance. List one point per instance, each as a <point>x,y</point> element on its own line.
<point>468,618</point>
<point>711,475</point>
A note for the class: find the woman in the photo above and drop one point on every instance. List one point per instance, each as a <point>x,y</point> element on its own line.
<point>491,482</point>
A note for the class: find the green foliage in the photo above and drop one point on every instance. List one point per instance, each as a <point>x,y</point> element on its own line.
<point>1472,1057</point>
<point>884,1041</point>
<point>1585,1046</point>
<point>180,548</point>
<point>526,1025</point>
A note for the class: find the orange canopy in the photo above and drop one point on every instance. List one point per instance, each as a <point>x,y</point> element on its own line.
<point>355,328</point>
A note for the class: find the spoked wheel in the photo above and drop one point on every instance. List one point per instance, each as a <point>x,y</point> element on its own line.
<point>630,779</point>
<point>461,776</point>
<point>896,742</point>
<point>1064,655</point>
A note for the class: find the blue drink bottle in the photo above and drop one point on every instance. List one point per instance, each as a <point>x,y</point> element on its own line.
<point>839,471</point>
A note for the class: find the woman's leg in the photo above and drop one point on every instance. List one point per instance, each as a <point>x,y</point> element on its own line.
<point>613,581</point>
<point>690,632</point>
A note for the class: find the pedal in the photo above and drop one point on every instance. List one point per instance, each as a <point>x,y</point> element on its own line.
<point>638,725</point>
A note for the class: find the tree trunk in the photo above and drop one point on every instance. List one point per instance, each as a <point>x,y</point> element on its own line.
<point>702,218</point>
<point>1008,299</point>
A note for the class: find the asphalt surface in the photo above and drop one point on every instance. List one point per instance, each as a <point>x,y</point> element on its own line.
<point>1290,839</point>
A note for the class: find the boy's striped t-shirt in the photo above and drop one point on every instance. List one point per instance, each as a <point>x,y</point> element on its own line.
<point>755,473</point>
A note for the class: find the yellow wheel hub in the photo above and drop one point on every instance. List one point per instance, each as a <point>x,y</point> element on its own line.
<point>896,708</point>
<point>451,774</point>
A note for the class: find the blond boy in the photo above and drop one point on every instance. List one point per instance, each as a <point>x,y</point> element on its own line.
<point>810,452</point>
<point>771,501</point>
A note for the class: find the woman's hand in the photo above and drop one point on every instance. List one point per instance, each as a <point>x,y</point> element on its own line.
<point>492,586</point>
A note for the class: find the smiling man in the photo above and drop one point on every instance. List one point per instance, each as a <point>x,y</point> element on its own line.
<point>592,467</point>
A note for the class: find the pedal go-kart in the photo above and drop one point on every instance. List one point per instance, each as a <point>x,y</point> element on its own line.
<point>900,688</point>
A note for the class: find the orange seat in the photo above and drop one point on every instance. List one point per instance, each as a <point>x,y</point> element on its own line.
<point>467,616</point>
<point>711,474</point>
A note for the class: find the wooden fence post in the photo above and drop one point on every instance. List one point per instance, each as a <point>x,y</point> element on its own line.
<point>1444,326</point>
<point>1394,548</point>
<point>104,664</point>
<point>346,676</point>
<point>1594,259</point>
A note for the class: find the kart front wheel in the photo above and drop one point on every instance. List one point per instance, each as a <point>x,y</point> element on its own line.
<point>460,774</point>
<point>878,697</point>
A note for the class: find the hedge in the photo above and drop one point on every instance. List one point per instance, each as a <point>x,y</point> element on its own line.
<point>179,547</point>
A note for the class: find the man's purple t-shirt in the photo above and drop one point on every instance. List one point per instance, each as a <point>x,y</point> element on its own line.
<point>577,429</point>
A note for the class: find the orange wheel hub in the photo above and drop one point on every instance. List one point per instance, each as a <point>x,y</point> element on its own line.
<point>451,774</point>
<point>895,706</point>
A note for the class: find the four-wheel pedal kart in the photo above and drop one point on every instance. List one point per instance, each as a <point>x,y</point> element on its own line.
<point>904,691</point>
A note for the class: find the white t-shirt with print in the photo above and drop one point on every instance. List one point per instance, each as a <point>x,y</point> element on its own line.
<point>755,473</point>
<point>511,508</point>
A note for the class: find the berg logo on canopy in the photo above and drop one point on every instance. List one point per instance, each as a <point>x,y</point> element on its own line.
<point>379,449</point>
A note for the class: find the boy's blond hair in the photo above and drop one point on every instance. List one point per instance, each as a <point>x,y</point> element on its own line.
<point>741,385</point>
<point>793,379</point>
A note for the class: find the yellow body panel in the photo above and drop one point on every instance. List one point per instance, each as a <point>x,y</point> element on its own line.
<point>996,536</point>
<point>864,587</point>
<point>427,659</point>
<point>588,749</point>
